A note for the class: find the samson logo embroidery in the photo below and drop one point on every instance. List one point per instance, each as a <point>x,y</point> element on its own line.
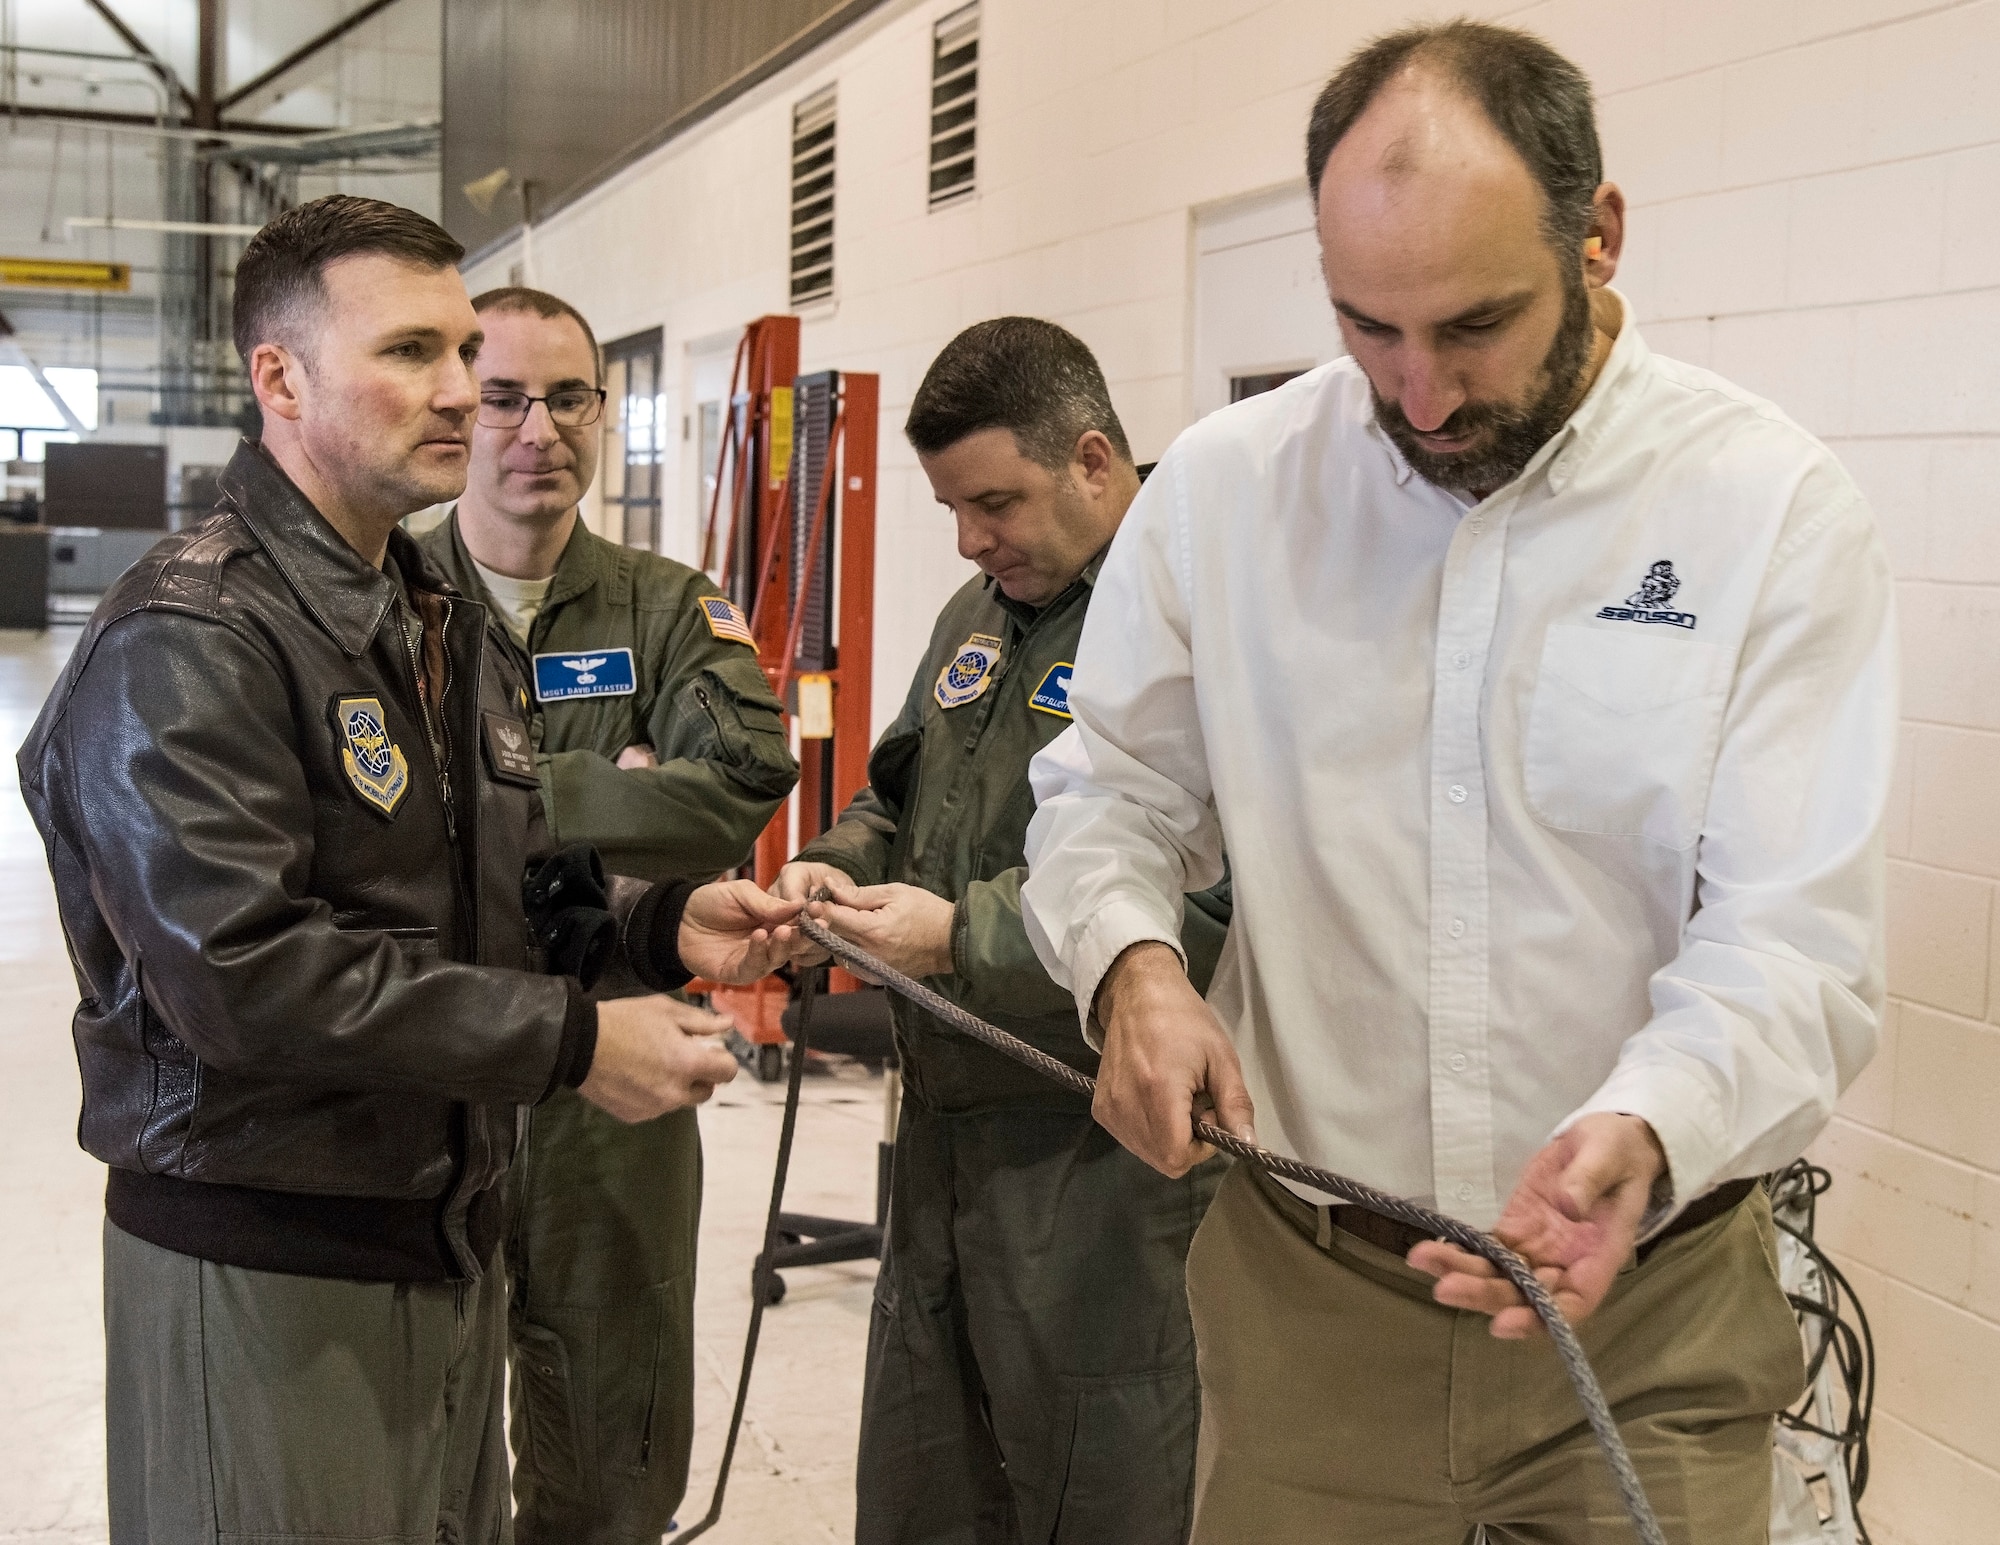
<point>584,673</point>
<point>374,763</point>
<point>1052,696</point>
<point>1650,602</point>
<point>970,671</point>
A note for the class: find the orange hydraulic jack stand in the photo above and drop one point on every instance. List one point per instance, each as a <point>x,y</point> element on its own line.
<point>796,551</point>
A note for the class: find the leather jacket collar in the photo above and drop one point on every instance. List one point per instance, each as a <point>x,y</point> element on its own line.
<point>344,593</point>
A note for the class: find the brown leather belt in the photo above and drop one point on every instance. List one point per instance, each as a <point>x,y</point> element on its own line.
<point>1400,1238</point>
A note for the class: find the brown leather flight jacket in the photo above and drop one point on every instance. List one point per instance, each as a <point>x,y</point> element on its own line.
<point>311,1007</point>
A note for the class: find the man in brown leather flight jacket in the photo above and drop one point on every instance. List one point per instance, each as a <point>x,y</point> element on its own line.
<point>314,914</point>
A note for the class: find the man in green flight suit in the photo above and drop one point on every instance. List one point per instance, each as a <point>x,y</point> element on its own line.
<point>1030,1362</point>
<point>658,742</point>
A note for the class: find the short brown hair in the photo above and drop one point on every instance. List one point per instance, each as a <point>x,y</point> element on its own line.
<point>1022,374</point>
<point>283,268</point>
<point>518,297</point>
<point>1537,99</point>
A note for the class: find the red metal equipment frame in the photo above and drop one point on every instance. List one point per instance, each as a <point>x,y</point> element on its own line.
<point>753,565</point>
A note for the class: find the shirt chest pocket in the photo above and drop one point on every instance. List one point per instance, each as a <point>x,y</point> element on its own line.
<point>1622,733</point>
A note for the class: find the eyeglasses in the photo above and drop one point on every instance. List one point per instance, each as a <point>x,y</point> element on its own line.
<point>572,408</point>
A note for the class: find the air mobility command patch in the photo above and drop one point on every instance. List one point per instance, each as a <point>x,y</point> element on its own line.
<point>970,671</point>
<point>374,763</point>
<point>1052,696</point>
<point>725,621</point>
<point>584,673</point>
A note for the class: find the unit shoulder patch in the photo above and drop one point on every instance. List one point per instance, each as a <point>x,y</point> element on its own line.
<point>969,672</point>
<point>1051,695</point>
<point>584,673</point>
<point>375,764</point>
<point>1649,603</point>
<point>725,620</point>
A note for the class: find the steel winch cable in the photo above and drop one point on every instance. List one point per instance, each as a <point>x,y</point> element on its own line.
<point>1596,1409</point>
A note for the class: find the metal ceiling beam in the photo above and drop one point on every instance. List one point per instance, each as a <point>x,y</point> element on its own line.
<point>305,51</point>
<point>208,64</point>
<point>145,123</point>
<point>146,56</point>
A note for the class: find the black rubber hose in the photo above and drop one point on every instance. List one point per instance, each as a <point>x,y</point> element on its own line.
<point>760,1281</point>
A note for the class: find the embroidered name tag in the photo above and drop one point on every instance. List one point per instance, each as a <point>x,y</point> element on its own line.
<point>508,751</point>
<point>584,673</point>
<point>373,762</point>
<point>1052,696</point>
<point>970,671</point>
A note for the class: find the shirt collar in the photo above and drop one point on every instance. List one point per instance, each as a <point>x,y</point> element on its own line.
<point>581,565</point>
<point>1024,614</point>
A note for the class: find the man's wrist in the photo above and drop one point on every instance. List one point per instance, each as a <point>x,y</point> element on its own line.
<point>1136,963</point>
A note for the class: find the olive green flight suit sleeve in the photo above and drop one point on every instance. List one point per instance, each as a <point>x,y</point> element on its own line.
<point>858,844</point>
<point>725,765</point>
<point>995,969</point>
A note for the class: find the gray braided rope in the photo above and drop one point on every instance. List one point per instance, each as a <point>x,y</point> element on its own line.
<point>1589,1394</point>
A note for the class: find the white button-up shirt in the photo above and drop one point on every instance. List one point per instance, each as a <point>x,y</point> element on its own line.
<point>1571,801</point>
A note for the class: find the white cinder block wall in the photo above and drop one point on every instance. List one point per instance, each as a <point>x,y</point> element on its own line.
<point>1816,214</point>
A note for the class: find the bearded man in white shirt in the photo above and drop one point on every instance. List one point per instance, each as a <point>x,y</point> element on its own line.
<point>1544,691</point>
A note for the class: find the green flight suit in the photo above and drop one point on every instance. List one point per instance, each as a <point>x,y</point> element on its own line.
<point>1030,1360</point>
<point>603,1217</point>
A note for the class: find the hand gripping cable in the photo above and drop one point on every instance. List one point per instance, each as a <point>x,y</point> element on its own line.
<point>1589,1393</point>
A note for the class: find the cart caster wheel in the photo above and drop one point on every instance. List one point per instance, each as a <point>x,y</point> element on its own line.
<point>770,1063</point>
<point>774,1290</point>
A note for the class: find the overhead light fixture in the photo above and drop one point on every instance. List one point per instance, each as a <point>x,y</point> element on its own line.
<point>482,191</point>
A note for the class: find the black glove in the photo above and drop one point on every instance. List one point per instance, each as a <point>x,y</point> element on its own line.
<point>569,913</point>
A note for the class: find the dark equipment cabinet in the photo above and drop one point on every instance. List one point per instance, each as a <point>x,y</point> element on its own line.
<point>110,487</point>
<point>24,578</point>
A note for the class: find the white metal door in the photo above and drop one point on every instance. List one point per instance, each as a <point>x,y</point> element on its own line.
<point>1260,307</point>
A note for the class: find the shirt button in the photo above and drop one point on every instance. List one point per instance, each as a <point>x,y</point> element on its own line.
<point>1457,1063</point>
<point>1456,793</point>
<point>1465,1190</point>
<point>1458,928</point>
<point>1461,659</point>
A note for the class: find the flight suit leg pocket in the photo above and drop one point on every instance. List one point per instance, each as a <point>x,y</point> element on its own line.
<point>1128,1459</point>
<point>548,1451</point>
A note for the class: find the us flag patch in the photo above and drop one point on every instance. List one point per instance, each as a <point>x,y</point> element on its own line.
<point>725,621</point>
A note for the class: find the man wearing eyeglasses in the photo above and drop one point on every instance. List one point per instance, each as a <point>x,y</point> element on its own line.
<point>659,743</point>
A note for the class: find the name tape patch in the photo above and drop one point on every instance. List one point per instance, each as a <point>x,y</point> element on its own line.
<point>970,671</point>
<point>374,763</point>
<point>726,621</point>
<point>509,753</point>
<point>1052,695</point>
<point>584,673</point>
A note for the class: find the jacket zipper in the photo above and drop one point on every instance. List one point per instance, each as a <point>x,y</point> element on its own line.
<point>437,734</point>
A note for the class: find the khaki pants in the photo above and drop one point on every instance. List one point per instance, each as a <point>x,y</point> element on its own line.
<point>1341,1406</point>
<point>256,1408</point>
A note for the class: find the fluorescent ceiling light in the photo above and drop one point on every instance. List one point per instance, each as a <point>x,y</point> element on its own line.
<point>24,405</point>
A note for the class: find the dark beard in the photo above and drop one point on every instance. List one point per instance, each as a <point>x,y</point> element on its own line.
<point>1514,433</point>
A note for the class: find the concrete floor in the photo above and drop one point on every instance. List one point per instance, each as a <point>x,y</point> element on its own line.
<point>794,1471</point>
